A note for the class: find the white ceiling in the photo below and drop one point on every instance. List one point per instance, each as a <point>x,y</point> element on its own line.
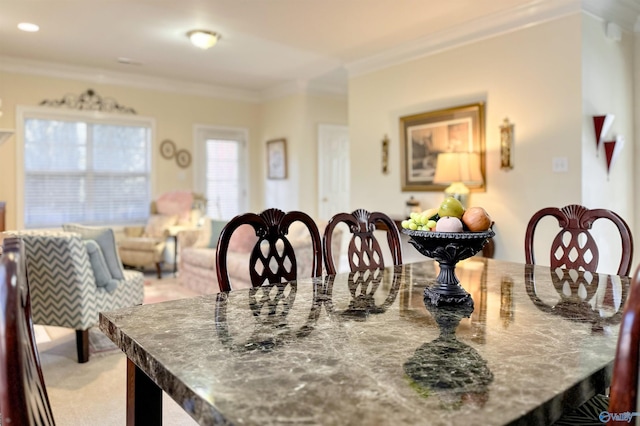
<point>266,44</point>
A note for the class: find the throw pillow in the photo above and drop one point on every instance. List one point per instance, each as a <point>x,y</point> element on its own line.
<point>99,266</point>
<point>107,242</point>
<point>216,229</point>
<point>158,224</point>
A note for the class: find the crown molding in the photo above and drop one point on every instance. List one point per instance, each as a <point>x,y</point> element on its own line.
<point>534,13</point>
<point>100,76</point>
<point>304,87</point>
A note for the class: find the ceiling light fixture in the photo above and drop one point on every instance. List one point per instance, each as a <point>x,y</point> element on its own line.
<point>28,27</point>
<point>203,39</point>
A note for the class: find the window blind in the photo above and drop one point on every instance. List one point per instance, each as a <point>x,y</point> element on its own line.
<point>224,182</point>
<point>95,173</point>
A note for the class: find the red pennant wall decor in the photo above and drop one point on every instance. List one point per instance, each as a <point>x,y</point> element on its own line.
<point>601,124</point>
<point>609,147</point>
<point>612,151</point>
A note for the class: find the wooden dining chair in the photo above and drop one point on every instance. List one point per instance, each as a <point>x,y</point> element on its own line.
<point>623,392</point>
<point>574,246</point>
<point>273,258</point>
<point>364,251</point>
<point>23,394</point>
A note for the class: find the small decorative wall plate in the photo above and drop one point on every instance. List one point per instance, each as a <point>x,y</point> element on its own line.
<point>167,149</point>
<point>183,158</point>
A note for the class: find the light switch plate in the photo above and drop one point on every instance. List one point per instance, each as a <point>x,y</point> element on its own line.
<point>560,164</point>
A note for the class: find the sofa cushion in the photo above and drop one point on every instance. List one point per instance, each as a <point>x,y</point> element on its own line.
<point>243,239</point>
<point>99,266</point>
<point>200,257</point>
<point>107,242</point>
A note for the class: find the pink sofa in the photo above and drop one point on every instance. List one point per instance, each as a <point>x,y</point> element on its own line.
<point>196,254</point>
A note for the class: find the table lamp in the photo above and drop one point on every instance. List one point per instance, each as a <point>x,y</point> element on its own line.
<point>458,169</point>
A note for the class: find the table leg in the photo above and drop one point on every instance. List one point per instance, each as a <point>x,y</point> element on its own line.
<point>144,398</point>
<point>175,254</point>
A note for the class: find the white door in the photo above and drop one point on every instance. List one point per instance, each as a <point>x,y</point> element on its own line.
<point>221,170</point>
<point>333,170</point>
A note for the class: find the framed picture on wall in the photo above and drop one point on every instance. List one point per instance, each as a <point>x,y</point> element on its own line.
<point>423,136</point>
<point>277,159</point>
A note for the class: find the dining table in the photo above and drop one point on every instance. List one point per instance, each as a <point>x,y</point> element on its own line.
<point>367,348</point>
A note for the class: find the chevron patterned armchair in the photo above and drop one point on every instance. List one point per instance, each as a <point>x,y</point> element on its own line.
<point>63,286</point>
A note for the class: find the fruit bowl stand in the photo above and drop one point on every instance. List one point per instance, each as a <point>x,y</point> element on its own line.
<point>448,248</point>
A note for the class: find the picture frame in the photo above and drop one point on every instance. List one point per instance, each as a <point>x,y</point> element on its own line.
<point>423,136</point>
<point>277,159</point>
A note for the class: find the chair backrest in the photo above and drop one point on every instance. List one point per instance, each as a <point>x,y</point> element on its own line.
<point>23,394</point>
<point>624,382</point>
<point>574,247</point>
<point>364,251</point>
<point>272,258</point>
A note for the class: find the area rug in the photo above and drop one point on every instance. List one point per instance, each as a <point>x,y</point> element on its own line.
<point>100,344</point>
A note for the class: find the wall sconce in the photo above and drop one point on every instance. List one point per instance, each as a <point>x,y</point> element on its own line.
<point>612,151</point>
<point>601,125</point>
<point>506,145</point>
<point>385,155</point>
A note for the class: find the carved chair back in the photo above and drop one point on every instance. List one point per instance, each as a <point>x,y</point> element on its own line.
<point>23,394</point>
<point>574,246</point>
<point>272,259</point>
<point>364,251</point>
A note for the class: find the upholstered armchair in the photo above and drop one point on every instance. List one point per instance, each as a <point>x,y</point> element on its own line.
<point>170,213</point>
<point>70,281</point>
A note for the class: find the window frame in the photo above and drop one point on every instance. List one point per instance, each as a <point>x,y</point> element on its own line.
<point>95,117</point>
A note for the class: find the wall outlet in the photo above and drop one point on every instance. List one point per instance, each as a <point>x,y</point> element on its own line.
<point>560,164</point>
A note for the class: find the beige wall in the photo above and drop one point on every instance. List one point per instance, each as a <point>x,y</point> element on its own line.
<point>531,76</point>
<point>293,117</point>
<point>296,118</point>
<point>174,115</point>
<point>607,76</point>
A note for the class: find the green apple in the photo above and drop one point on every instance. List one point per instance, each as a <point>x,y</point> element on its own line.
<point>451,207</point>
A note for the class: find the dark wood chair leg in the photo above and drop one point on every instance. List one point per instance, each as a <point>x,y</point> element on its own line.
<point>82,345</point>
<point>144,398</point>
<point>159,270</point>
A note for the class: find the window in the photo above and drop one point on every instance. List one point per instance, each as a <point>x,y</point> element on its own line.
<point>221,171</point>
<point>89,170</point>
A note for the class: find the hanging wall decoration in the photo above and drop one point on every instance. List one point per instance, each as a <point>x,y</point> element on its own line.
<point>506,145</point>
<point>612,151</point>
<point>168,149</point>
<point>183,158</point>
<point>88,101</point>
<point>385,154</point>
<point>602,124</point>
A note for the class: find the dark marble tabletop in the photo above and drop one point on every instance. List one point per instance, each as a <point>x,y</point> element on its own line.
<point>365,349</point>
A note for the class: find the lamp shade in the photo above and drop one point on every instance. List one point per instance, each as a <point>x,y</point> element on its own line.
<point>458,167</point>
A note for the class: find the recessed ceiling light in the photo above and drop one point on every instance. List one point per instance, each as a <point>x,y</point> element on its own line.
<point>203,39</point>
<point>28,27</point>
